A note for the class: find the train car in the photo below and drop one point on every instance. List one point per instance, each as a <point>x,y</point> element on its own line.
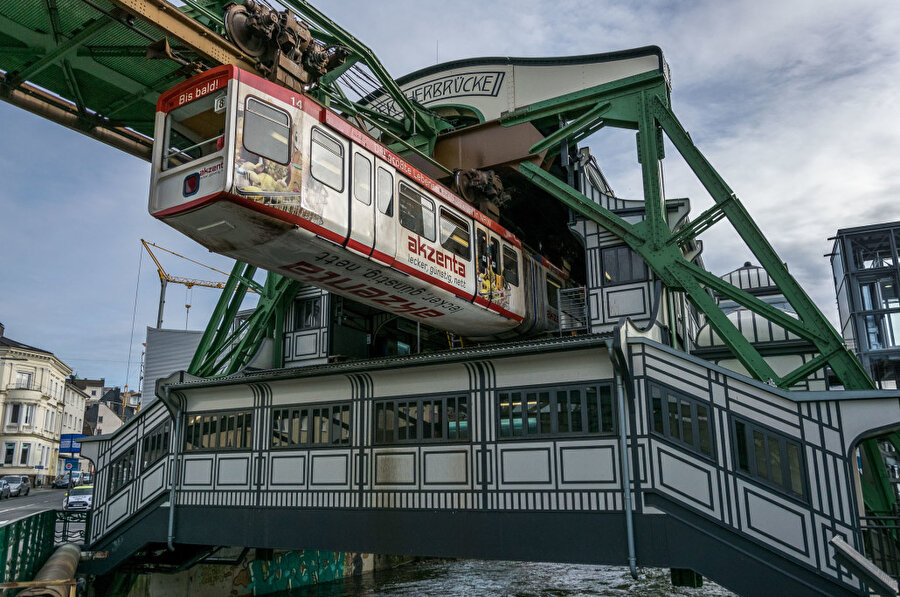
<point>270,177</point>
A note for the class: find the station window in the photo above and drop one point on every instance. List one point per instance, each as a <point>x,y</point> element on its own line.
<point>267,131</point>
<point>219,431</point>
<point>621,265</point>
<point>154,445</point>
<point>455,235</point>
<point>194,130</point>
<point>770,457</point>
<point>307,313</point>
<point>681,418</point>
<point>326,160</point>
<point>407,420</point>
<point>384,192</point>
<point>320,425</point>
<point>551,411</point>
<point>416,212</point>
<point>510,266</point>
<point>362,179</point>
<point>872,250</point>
<point>121,471</point>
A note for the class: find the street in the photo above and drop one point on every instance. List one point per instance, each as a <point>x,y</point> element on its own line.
<point>38,499</point>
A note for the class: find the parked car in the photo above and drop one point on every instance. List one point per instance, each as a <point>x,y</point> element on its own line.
<point>78,478</point>
<point>79,498</point>
<point>18,484</point>
<point>4,489</point>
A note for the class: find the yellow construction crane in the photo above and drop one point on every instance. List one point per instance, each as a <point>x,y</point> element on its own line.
<point>165,278</point>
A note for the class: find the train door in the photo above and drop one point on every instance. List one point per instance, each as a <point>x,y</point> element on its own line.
<point>362,206</point>
<point>385,228</point>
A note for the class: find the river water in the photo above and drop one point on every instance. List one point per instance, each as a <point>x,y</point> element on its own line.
<point>476,578</point>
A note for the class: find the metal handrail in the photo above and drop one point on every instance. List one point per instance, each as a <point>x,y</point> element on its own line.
<point>25,545</point>
<point>881,542</point>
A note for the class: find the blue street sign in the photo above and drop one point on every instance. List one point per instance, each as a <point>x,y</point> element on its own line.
<point>70,443</point>
<point>71,464</point>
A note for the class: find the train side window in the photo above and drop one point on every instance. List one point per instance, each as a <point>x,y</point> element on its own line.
<point>384,192</point>
<point>495,256</point>
<point>552,295</point>
<point>326,159</point>
<point>362,179</point>
<point>455,234</point>
<point>482,251</point>
<point>267,131</point>
<point>510,265</point>
<point>416,212</point>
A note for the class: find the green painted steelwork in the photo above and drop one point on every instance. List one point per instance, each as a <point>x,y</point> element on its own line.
<point>25,545</point>
<point>226,346</point>
<point>641,103</point>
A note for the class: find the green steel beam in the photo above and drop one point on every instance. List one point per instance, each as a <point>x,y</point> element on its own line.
<point>89,32</point>
<point>418,120</point>
<point>844,364</point>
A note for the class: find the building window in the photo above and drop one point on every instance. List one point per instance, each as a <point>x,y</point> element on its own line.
<point>568,410</point>
<point>267,131</point>
<point>9,452</point>
<point>770,457</point>
<point>407,420</point>
<point>154,445</point>
<point>323,425</point>
<point>14,411</point>
<point>681,418</point>
<point>23,380</point>
<point>307,313</point>
<point>871,250</point>
<point>455,234</point>
<point>121,471</point>
<point>24,454</point>
<point>219,431</point>
<point>621,265</point>
<point>416,212</point>
<point>326,159</point>
<point>29,414</point>
<point>362,179</point>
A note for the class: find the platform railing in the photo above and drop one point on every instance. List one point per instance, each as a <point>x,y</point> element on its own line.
<point>881,540</point>
<point>25,545</point>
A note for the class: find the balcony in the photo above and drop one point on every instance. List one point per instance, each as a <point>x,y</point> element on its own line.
<point>23,392</point>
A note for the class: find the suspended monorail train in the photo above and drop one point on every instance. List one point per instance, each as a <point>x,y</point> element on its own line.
<point>270,177</point>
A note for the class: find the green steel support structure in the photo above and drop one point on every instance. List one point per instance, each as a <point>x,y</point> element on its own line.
<point>642,103</point>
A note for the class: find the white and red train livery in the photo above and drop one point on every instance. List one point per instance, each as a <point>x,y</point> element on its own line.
<point>270,177</point>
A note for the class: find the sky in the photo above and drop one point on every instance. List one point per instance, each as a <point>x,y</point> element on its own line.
<point>795,104</point>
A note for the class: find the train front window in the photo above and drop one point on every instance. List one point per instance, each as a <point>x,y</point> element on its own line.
<point>455,234</point>
<point>266,131</point>
<point>194,130</point>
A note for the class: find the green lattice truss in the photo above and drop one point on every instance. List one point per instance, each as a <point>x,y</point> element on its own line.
<point>641,103</point>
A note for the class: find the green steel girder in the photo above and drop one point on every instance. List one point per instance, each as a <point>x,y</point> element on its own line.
<point>641,102</point>
<point>223,350</point>
<point>62,49</point>
<point>417,120</point>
